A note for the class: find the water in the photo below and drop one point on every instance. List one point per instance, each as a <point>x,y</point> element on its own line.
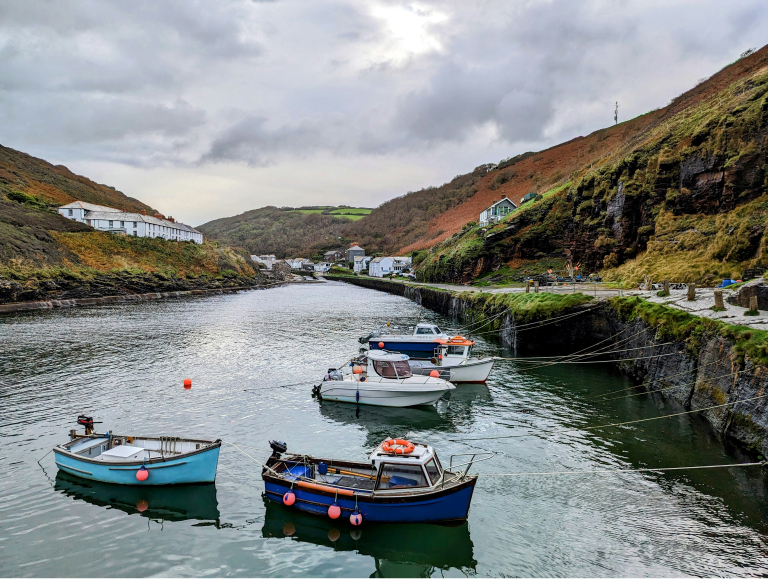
<point>124,364</point>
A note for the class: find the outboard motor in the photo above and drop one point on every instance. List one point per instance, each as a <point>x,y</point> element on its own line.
<point>87,422</point>
<point>277,448</point>
<point>364,339</point>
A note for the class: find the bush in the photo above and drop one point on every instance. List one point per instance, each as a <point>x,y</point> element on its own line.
<point>21,197</point>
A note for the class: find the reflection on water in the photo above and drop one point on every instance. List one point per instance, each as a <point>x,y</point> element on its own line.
<point>416,550</point>
<point>124,365</point>
<point>174,503</point>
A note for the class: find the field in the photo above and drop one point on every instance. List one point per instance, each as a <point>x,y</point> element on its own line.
<point>351,213</point>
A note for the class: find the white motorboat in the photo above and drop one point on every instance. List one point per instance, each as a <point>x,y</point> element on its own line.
<point>452,361</point>
<point>382,378</point>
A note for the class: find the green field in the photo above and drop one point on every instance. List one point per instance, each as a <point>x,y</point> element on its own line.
<point>351,213</point>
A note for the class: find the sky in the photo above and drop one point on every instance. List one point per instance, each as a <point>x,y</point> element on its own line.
<point>205,109</point>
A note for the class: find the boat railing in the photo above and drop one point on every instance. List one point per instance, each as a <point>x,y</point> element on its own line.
<point>468,464</point>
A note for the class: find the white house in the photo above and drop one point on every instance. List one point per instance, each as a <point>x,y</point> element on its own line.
<point>361,262</point>
<point>401,263</point>
<point>323,266</point>
<point>124,223</point>
<point>299,263</point>
<point>267,260</point>
<point>380,266</point>
<point>497,211</point>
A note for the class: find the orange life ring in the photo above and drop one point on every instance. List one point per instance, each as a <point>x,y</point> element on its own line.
<point>398,446</point>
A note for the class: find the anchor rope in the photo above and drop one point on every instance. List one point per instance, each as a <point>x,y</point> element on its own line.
<point>563,431</point>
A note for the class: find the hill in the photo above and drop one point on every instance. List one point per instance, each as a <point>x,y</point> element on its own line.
<point>679,193</point>
<point>286,231</point>
<point>57,185</point>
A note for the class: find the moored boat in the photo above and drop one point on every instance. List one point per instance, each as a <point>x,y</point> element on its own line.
<point>137,460</point>
<point>452,361</point>
<point>402,482</point>
<point>418,344</point>
<point>382,379</point>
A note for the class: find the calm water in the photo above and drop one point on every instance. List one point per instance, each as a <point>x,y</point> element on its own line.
<point>125,364</point>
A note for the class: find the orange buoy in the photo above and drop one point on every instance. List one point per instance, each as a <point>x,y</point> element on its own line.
<point>334,511</point>
<point>434,374</point>
<point>289,498</point>
<point>356,518</point>
<point>187,383</point>
<point>381,345</point>
<point>142,474</point>
<point>357,369</point>
<point>142,505</point>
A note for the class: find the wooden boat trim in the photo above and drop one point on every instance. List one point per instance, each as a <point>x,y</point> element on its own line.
<point>66,466</point>
<point>150,467</point>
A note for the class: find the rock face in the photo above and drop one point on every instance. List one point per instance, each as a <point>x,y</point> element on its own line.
<point>115,284</point>
<point>281,271</point>
<point>714,374</point>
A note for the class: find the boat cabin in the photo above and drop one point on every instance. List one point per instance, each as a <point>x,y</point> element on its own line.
<point>388,364</point>
<point>453,350</point>
<point>420,468</point>
<point>427,330</point>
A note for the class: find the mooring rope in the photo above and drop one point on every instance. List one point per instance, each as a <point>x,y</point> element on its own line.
<point>608,425</point>
<point>559,360</point>
<point>620,470</point>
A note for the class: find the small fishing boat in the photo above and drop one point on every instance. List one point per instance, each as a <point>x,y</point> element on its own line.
<point>452,361</point>
<point>418,344</point>
<point>382,378</point>
<point>137,460</point>
<point>401,482</point>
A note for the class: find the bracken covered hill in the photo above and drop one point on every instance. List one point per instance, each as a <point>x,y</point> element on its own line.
<point>56,184</point>
<point>679,192</point>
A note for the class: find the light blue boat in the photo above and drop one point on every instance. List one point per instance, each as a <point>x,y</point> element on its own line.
<point>137,460</point>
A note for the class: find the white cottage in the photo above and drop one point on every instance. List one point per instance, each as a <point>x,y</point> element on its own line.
<point>124,223</point>
<point>267,260</point>
<point>497,211</point>
<point>380,266</point>
<point>401,263</point>
<point>361,262</point>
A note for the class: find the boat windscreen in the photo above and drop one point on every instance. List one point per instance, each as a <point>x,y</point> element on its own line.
<point>398,369</point>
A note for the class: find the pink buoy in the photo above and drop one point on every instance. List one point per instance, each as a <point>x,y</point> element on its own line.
<point>334,511</point>
<point>381,345</point>
<point>434,374</point>
<point>142,474</point>
<point>289,498</point>
<point>356,518</point>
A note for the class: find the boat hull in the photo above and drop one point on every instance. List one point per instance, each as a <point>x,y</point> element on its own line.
<point>346,391</point>
<point>476,371</point>
<point>439,506</point>
<point>198,467</point>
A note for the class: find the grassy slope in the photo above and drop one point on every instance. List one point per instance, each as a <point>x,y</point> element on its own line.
<point>688,238</point>
<point>56,184</point>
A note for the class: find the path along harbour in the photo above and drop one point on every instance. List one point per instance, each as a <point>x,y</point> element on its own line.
<point>124,365</point>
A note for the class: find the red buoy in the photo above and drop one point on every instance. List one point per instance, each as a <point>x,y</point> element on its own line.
<point>142,474</point>
<point>187,383</point>
<point>334,511</point>
<point>356,518</point>
<point>289,498</point>
<point>434,374</point>
<point>357,369</point>
<point>381,345</point>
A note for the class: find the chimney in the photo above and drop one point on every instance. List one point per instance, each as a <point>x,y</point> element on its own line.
<point>503,197</point>
<point>123,208</point>
<point>143,211</point>
<point>158,216</point>
<point>169,218</point>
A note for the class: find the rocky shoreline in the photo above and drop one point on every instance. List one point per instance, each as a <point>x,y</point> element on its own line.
<point>690,363</point>
<point>113,288</point>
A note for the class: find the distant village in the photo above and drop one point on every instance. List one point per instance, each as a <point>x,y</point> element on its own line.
<point>353,258</point>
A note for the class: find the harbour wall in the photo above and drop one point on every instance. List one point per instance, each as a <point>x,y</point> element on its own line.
<point>689,363</point>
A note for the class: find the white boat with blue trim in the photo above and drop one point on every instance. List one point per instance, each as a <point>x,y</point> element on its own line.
<point>382,378</point>
<point>418,344</point>
<point>137,460</point>
<point>452,362</point>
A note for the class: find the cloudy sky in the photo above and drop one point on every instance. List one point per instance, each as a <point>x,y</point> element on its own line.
<point>208,108</point>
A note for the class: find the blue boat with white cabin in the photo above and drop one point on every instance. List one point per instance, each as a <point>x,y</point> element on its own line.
<point>402,482</point>
<point>137,460</point>
<point>418,344</point>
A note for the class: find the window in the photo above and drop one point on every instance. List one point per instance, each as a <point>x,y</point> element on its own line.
<point>433,470</point>
<point>135,233</point>
<point>134,225</point>
<point>401,476</point>
<point>423,331</point>
<point>437,330</point>
<point>399,369</point>
<point>69,211</point>
<point>122,224</point>
<point>455,350</point>
<point>110,225</point>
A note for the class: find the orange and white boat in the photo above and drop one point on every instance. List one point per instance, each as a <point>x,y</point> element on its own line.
<point>452,361</point>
